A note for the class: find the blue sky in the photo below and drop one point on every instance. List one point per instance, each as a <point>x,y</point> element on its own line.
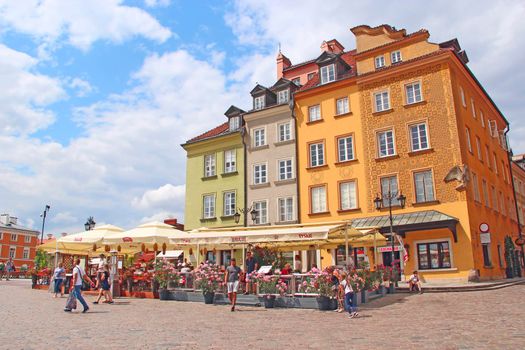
<point>98,95</point>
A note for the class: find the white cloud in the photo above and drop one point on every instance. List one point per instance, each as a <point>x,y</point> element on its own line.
<point>157,3</point>
<point>82,87</point>
<point>163,197</point>
<point>24,94</point>
<point>80,22</point>
<point>64,218</point>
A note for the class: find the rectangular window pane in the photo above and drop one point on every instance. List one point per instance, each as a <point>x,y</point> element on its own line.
<point>418,135</point>
<point>424,186</point>
<point>318,199</point>
<point>380,61</point>
<point>342,106</point>
<point>259,174</point>
<point>382,101</point>
<point>286,209</point>
<point>282,96</point>
<point>229,203</point>
<point>396,56</point>
<point>230,161</point>
<point>316,154</point>
<point>285,169</point>
<point>258,102</point>
<point>262,212</point>
<point>209,206</point>
<point>209,165</point>
<point>385,140</point>
<point>348,195</point>
<point>389,190</point>
<point>285,132</point>
<point>345,148</point>
<point>422,256</point>
<point>413,93</point>
<point>314,113</point>
<point>327,74</point>
<point>445,255</point>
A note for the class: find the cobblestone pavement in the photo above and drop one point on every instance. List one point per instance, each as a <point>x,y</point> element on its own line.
<point>32,319</point>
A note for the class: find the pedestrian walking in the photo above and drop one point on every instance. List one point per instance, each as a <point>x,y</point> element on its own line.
<point>349,296</point>
<point>232,282</point>
<point>58,275</point>
<point>103,284</point>
<point>9,268</point>
<point>76,285</point>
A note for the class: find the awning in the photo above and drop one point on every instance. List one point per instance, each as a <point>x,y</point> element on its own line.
<point>170,254</point>
<point>406,222</point>
<point>148,234</point>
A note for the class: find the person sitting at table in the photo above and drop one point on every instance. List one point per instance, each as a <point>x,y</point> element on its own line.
<point>286,270</point>
<point>414,283</point>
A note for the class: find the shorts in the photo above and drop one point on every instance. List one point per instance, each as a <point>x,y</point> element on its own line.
<point>105,285</point>
<point>233,287</point>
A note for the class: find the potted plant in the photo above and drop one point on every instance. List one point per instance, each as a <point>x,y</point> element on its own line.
<point>209,279</point>
<point>324,288</point>
<point>269,287</point>
<point>164,273</point>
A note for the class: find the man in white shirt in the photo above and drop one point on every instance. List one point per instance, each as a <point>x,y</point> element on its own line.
<point>414,283</point>
<point>76,284</point>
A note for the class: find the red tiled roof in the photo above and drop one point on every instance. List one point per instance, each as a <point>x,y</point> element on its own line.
<point>348,57</point>
<point>311,83</point>
<point>211,133</point>
<point>293,66</point>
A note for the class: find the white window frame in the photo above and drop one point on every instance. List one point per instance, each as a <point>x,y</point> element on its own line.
<point>387,149</point>
<point>210,213</point>
<point>469,143</point>
<point>256,205</point>
<point>384,191</point>
<point>346,157</point>
<point>383,103</point>
<point>478,148</point>
<point>283,96</point>
<point>288,175</point>
<point>230,161</point>
<point>416,95</point>
<point>260,173</point>
<point>285,212</point>
<point>229,199</point>
<point>284,131</point>
<point>259,137</point>
<point>14,237</point>
<point>314,113</point>
<point>327,73</point>
<point>473,106</point>
<point>350,202</point>
<point>322,206</point>
<point>234,123</point>
<point>342,106</point>
<point>27,239</point>
<point>429,194</point>
<point>395,56</point>
<point>210,168</point>
<point>379,61</point>
<point>482,118</point>
<point>259,102</point>
<point>25,254</point>
<point>475,187</point>
<point>319,156</point>
<point>418,146</point>
<point>12,256</point>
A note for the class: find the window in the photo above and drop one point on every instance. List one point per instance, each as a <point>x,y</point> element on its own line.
<point>478,148</point>
<point>473,106</point>
<point>234,123</point>
<point>413,93</point>
<point>348,195</point>
<point>469,145</point>
<point>424,186</point>
<point>385,141</point>
<point>14,237</point>
<point>209,165</point>
<point>318,199</point>
<point>487,155</point>
<point>482,118</point>
<point>475,187</point>
<point>495,205</point>
<point>285,169</point>
<point>503,172</point>
<point>285,132</point>
<point>435,255</point>
<point>380,61</point>
<point>283,96</point>
<point>286,209</point>
<point>229,203</point>
<point>230,164</point>
<point>26,254</point>
<point>259,174</point>
<point>342,106</point>
<point>297,81</point>
<point>389,188</point>
<point>327,74</point>
<point>262,212</point>
<point>485,190</point>
<point>486,255</point>
<point>27,239</point>
<point>316,154</point>
<point>418,137</point>
<point>502,208</point>
<point>310,76</point>
<point>258,102</point>
<point>314,113</point>
<point>259,137</point>
<point>494,162</point>
<point>382,101</point>
<point>345,148</point>
<point>395,57</point>
<point>12,252</point>
<point>209,206</point>
<point>463,100</point>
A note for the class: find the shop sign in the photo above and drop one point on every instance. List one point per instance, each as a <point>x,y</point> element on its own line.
<point>127,239</point>
<point>305,235</point>
<point>388,249</point>
<point>239,239</point>
<point>78,239</point>
<point>484,238</point>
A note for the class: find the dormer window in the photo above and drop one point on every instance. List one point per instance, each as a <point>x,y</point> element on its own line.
<point>395,57</point>
<point>283,96</point>
<point>380,61</point>
<point>234,123</point>
<point>327,74</point>
<point>297,81</point>
<point>258,102</point>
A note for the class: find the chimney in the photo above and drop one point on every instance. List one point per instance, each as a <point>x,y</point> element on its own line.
<point>333,46</point>
<point>13,220</point>
<point>173,222</point>
<point>282,63</point>
<point>4,219</point>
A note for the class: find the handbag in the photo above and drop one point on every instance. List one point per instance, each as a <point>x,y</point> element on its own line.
<point>71,302</point>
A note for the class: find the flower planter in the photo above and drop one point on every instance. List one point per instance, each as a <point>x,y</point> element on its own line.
<point>164,294</point>
<point>208,298</point>
<point>364,296</point>
<point>324,303</point>
<point>269,301</point>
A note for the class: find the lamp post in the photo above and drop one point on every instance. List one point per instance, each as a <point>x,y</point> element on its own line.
<point>43,216</point>
<point>90,224</point>
<point>245,211</point>
<point>379,204</point>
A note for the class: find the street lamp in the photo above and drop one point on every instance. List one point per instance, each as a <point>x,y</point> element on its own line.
<point>90,224</point>
<point>43,216</point>
<point>380,202</point>
<point>252,211</point>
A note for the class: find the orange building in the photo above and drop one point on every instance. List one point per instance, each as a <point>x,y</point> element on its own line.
<point>400,114</point>
<point>518,175</point>
<point>17,242</point>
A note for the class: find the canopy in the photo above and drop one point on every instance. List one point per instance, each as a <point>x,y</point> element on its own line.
<point>85,240</point>
<point>149,233</point>
<point>170,254</point>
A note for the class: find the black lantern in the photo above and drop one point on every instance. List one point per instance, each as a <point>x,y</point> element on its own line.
<point>237,217</point>
<point>378,202</point>
<point>254,215</point>
<point>90,224</point>
<point>402,200</point>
